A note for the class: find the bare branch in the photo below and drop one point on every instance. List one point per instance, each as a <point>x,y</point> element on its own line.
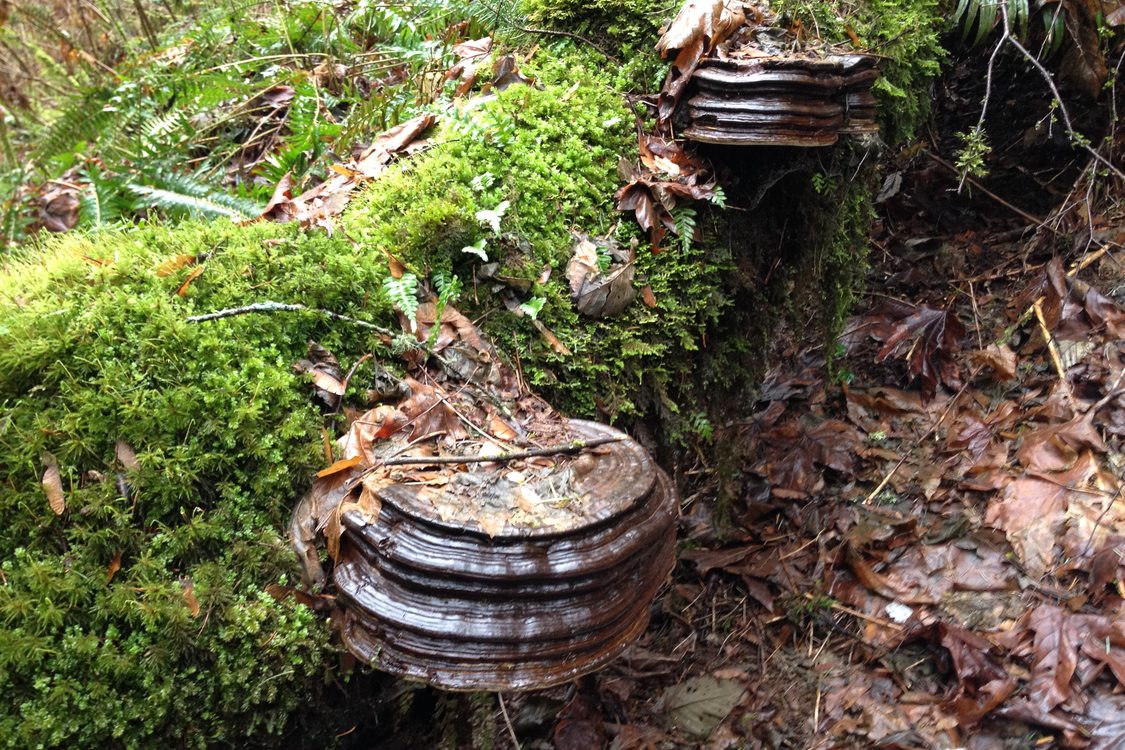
<point>271,307</point>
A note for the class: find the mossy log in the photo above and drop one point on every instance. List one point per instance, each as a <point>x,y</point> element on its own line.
<point>139,616</point>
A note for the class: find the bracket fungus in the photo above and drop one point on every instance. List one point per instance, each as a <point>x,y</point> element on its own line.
<point>429,594</point>
<point>782,100</point>
<point>517,555</point>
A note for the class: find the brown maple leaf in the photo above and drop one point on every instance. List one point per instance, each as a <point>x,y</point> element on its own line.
<point>928,339</point>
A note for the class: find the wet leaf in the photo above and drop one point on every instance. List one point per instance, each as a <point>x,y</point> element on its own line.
<point>699,704</point>
<point>928,338</point>
<point>999,358</point>
<point>52,484</point>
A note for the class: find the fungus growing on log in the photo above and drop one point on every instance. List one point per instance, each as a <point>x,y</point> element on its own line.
<point>431,596</point>
<point>782,100</point>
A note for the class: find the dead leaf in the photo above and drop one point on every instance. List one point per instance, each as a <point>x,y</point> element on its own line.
<point>189,598</point>
<point>195,274</point>
<point>114,566</point>
<point>377,424</point>
<point>327,382</point>
<point>506,73</point>
<point>596,295</point>
<point>52,483</point>
<point>175,263</point>
<point>429,414</point>
<point>126,456</point>
<point>396,267</point>
<point>708,21</point>
<point>699,704</point>
<point>552,340</point>
<point>280,206</point>
<point>999,358</point>
<point>1056,447</point>
<point>341,465</point>
<point>934,338</point>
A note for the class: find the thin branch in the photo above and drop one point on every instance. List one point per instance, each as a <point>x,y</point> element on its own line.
<point>1075,137</point>
<point>508,722</point>
<point>271,307</point>
<point>550,450</point>
<point>1050,81</point>
<point>570,35</point>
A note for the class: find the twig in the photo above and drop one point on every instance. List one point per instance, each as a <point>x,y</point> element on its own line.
<point>270,307</point>
<point>348,377</point>
<point>861,615</point>
<point>508,721</point>
<point>571,35</point>
<point>550,450</point>
<point>1052,349</point>
<point>965,178</point>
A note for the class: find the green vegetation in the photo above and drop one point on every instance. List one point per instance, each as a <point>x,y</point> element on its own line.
<point>94,349</point>
<point>224,434</point>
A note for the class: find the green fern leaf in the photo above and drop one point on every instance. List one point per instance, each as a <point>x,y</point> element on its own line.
<point>177,193</point>
<point>403,294</point>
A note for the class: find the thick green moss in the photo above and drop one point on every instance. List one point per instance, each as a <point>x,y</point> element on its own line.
<point>553,154</point>
<point>225,435</point>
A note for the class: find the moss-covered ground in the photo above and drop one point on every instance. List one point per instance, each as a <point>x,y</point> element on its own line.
<point>139,617</point>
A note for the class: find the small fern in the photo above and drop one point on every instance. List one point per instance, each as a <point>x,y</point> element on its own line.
<point>102,200</point>
<point>684,217</point>
<point>82,120</point>
<point>180,194</point>
<point>403,294</point>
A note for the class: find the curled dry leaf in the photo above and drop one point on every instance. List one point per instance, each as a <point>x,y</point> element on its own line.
<point>52,484</point>
<point>375,425</point>
<point>114,566</point>
<point>999,358</point>
<point>195,274</point>
<point>190,599</point>
<point>175,263</point>
<point>341,465</point>
<point>596,295</point>
<point>707,21</point>
<point>126,456</point>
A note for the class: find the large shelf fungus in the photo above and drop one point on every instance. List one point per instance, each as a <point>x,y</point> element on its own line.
<point>430,595</point>
<point>781,100</point>
<point>740,79</point>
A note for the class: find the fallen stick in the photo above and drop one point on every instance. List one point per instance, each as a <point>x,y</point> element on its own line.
<point>551,450</point>
<point>270,307</point>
